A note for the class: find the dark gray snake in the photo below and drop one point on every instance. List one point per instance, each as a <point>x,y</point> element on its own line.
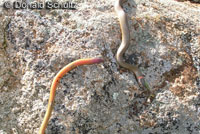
<point>125,44</point>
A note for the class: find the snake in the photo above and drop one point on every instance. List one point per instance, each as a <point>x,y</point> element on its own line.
<point>119,58</point>
<point>55,83</point>
<point>125,44</point>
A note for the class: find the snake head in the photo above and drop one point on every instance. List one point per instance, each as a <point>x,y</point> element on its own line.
<point>143,84</point>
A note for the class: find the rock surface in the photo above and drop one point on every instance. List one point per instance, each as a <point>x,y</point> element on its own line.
<point>104,98</point>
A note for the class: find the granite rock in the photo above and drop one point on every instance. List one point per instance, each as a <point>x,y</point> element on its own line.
<point>104,98</point>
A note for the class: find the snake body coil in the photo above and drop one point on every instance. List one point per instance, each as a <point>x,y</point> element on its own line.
<point>125,44</point>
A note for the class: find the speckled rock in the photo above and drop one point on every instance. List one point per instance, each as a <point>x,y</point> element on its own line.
<point>103,98</point>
